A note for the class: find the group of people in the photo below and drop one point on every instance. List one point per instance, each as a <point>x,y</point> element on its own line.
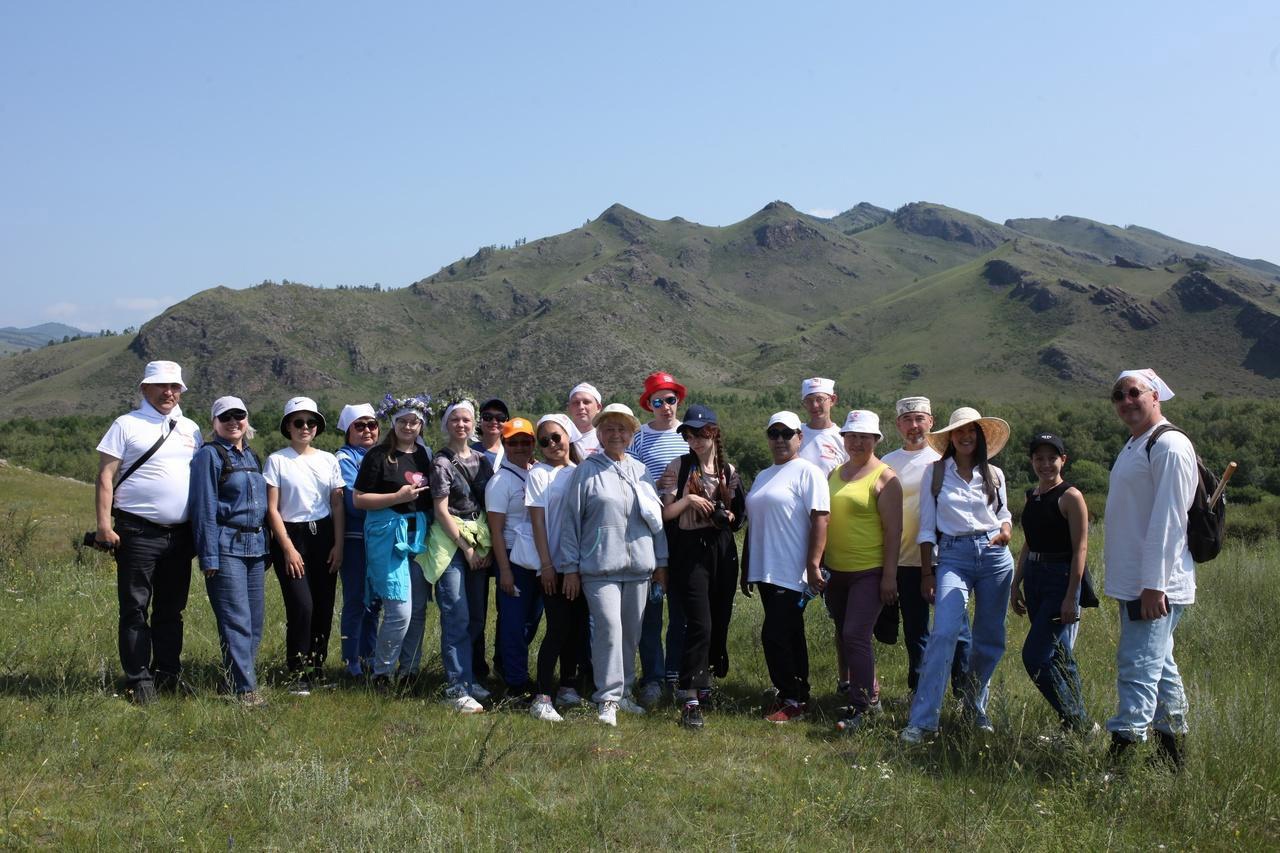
<point>600,523</point>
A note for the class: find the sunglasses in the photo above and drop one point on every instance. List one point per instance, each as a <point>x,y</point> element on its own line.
<point>548,440</point>
<point>366,426</point>
<point>655,402</point>
<point>700,432</point>
<point>235,415</point>
<point>490,417</point>
<point>305,423</point>
<point>784,433</point>
<point>1133,393</point>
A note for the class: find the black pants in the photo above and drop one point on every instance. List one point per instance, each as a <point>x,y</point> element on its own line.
<point>308,600</point>
<point>915,630</point>
<point>153,571</point>
<point>704,575</point>
<point>786,652</point>
<point>567,634</point>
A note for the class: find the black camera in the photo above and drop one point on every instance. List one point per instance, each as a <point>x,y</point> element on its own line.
<point>720,516</point>
<point>91,541</point>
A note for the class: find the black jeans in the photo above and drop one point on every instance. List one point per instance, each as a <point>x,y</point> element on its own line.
<point>567,634</point>
<point>915,630</point>
<point>308,600</point>
<point>153,570</point>
<point>704,576</point>
<point>786,652</point>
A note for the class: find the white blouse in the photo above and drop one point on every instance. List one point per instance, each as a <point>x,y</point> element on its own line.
<point>961,507</point>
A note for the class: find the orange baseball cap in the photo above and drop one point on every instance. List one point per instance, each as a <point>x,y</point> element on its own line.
<point>517,426</point>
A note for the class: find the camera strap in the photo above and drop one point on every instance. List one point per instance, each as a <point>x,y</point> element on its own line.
<point>164,435</point>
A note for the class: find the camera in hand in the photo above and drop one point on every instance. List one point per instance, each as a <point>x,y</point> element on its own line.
<point>720,516</point>
<point>91,541</point>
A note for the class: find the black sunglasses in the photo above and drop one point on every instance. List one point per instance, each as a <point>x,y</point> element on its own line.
<point>1133,393</point>
<point>493,416</point>
<point>233,415</point>
<point>366,426</point>
<point>785,433</point>
<point>307,423</point>
<point>548,440</point>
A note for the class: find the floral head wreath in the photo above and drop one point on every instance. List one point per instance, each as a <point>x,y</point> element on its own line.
<point>393,407</point>
<point>451,397</point>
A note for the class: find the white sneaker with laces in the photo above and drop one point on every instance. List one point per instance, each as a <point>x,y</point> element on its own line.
<point>626,703</point>
<point>568,696</point>
<point>609,713</point>
<point>478,691</point>
<point>543,710</point>
<point>464,704</point>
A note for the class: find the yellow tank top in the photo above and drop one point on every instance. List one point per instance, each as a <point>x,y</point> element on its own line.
<point>855,540</point>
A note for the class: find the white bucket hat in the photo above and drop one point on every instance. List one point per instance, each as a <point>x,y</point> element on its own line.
<point>861,420</point>
<point>617,410</point>
<point>994,430</point>
<point>300,404</point>
<point>162,373</point>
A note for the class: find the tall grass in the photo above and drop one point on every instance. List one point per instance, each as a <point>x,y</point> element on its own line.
<point>349,769</point>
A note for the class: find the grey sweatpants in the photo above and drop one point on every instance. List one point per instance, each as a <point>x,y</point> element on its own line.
<point>617,609</point>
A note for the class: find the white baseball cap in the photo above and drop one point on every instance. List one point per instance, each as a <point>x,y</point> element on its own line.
<point>162,373</point>
<point>585,388</point>
<point>788,419</point>
<point>228,404</point>
<point>861,420</point>
<point>817,385</point>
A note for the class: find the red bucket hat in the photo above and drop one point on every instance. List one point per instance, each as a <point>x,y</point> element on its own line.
<point>658,381</point>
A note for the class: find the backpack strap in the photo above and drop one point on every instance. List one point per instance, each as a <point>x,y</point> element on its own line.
<point>1159,431</point>
<point>142,460</point>
<point>227,468</point>
<point>686,465</point>
<point>939,470</point>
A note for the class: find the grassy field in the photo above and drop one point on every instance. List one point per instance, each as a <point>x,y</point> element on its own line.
<point>81,768</point>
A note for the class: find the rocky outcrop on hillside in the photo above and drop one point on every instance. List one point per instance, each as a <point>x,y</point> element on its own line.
<point>1038,295</point>
<point>935,221</point>
<point>1197,292</point>
<point>1069,366</point>
<point>1126,264</point>
<point>1002,273</point>
<point>783,235</point>
<point>1119,302</point>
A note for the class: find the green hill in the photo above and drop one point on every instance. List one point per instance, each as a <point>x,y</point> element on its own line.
<point>925,298</point>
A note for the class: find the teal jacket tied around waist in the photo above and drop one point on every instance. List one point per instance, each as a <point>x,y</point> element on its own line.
<point>388,550</point>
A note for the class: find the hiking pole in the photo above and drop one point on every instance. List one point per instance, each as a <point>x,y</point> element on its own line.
<point>1222,484</point>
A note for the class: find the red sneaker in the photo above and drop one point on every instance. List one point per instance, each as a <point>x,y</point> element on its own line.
<point>788,713</point>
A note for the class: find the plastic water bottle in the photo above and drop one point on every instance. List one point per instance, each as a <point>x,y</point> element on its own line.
<point>809,593</point>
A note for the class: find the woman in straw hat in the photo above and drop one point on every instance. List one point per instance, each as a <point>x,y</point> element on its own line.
<point>964,513</point>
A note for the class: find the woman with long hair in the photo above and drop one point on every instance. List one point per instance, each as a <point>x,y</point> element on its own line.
<point>703,504</point>
<point>458,555</point>
<point>228,510</point>
<point>964,512</point>
<point>391,488</point>
<point>567,620</point>
<point>305,510</point>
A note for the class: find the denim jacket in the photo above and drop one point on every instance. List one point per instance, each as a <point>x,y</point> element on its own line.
<point>229,518</point>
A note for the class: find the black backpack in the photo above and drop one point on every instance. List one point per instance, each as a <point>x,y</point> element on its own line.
<point>1206,525</point>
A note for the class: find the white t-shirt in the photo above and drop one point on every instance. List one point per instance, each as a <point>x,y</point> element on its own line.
<point>157,491</point>
<point>778,513</point>
<point>305,482</point>
<point>912,467</point>
<point>823,447</point>
<point>504,493</point>
<point>546,489</point>
<point>589,443</point>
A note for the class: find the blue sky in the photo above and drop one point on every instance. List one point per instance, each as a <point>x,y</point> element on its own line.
<point>152,150</point>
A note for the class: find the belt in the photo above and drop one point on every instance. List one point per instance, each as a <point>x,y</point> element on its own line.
<point>1050,556</point>
<point>123,515</point>
<point>309,525</point>
<point>968,534</point>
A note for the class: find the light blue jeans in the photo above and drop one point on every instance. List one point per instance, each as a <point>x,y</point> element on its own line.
<point>457,592</point>
<point>1148,684</point>
<point>966,565</point>
<point>403,624</point>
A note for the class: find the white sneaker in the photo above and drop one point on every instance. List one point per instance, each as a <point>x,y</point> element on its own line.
<point>542,709</point>
<point>568,696</point>
<point>609,713</point>
<point>478,691</point>
<point>464,704</point>
<point>626,703</point>
<point>650,694</point>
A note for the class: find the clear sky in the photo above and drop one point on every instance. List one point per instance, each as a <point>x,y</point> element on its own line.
<point>152,150</point>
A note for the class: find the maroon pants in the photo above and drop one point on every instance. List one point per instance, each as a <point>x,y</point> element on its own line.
<point>854,601</point>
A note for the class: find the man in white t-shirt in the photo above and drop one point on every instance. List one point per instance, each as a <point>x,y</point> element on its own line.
<point>913,463</point>
<point>1149,569</point>
<point>820,440</point>
<point>584,405</point>
<point>142,516</point>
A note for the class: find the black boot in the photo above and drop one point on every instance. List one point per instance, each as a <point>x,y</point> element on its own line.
<point>1119,746</point>
<point>1169,750</point>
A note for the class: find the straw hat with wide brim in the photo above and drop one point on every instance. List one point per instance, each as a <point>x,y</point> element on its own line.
<point>994,430</point>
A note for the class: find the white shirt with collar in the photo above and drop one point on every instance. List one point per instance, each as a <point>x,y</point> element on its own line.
<point>158,491</point>
<point>823,447</point>
<point>1145,546</point>
<point>961,507</point>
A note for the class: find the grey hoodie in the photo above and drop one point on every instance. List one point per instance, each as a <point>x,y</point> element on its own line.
<point>611,525</point>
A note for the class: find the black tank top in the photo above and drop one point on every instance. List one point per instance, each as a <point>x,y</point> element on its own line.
<point>1044,524</point>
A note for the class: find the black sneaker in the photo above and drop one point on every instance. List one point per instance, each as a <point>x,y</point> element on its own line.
<point>851,722</point>
<point>143,693</point>
<point>691,716</point>
<point>1168,751</point>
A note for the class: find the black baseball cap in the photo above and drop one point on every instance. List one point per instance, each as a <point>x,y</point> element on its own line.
<point>493,404</point>
<point>1049,439</point>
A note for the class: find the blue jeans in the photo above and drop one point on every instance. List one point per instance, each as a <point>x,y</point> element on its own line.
<point>238,601</point>
<point>399,640</point>
<point>1046,653</point>
<point>1148,684</point>
<point>460,594</point>
<point>358,623</point>
<point>654,665</point>
<point>515,614</point>
<point>966,564</point>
